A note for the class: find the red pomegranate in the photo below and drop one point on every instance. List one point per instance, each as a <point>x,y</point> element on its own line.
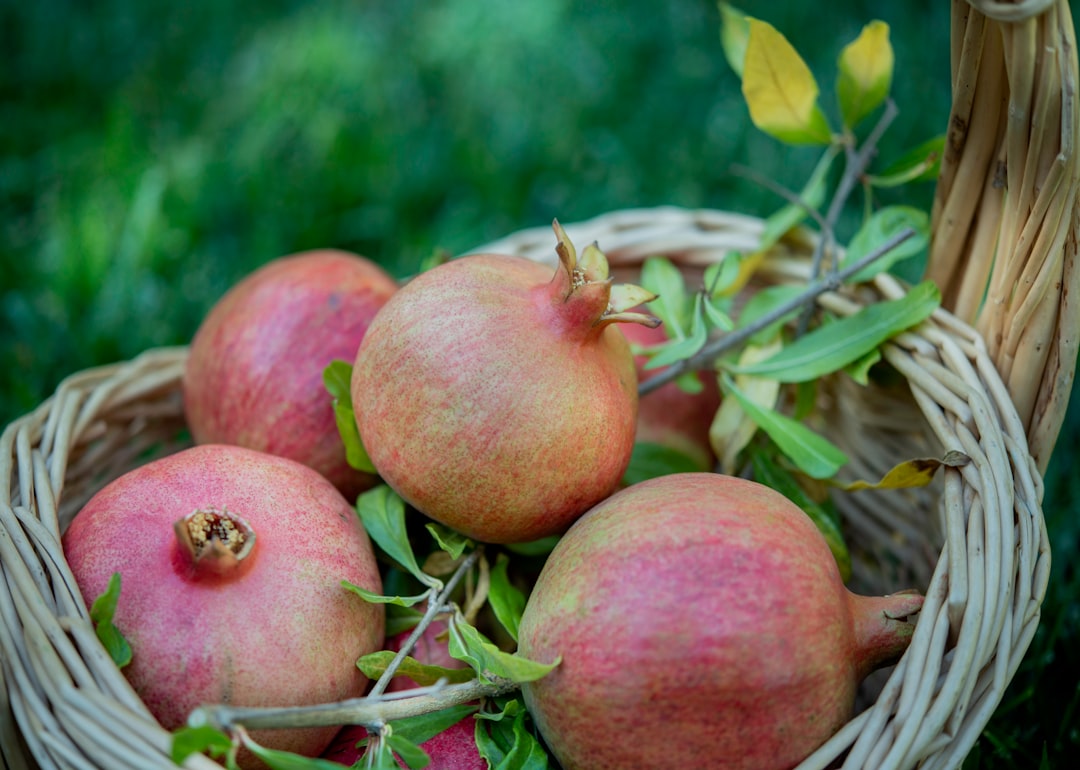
<point>231,564</point>
<point>670,416</point>
<point>254,373</point>
<point>705,616</point>
<point>497,398</point>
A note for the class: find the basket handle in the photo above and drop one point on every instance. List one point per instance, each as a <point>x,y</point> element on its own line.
<point>1005,225</point>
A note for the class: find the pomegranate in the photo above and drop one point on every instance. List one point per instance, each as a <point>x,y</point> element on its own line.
<point>704,615</point>
<point>670,416</point>
<point>231,563</point>
<point>498,399</point>
<point>254,373</point>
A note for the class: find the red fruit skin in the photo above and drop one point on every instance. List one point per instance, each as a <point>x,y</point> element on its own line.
<point>254,374</point>
<point>452,749</point>
<point>279,630</point>
<point>493,405</point>
<point>669,416</point>
<point>705,616</point>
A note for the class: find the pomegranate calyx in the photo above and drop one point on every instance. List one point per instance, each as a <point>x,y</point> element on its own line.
<point>214,539</point>
<point>588,276</point>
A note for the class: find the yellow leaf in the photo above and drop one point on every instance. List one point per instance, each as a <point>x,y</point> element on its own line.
<point>865,72</point>
<point>732,429</point>
<point>779,88</point>
<point>912,473</point>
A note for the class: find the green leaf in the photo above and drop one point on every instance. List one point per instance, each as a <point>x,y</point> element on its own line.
<point>510,745</point>
<point>379,756</point>
<point>198,740</point>
<point>276,759</point>
<point>882,225</point>
<point>449,540</point>
<point>412,755</point>
<point>650,461</point>
<point>734,33</point>
<point>780,90</point>
<point>831,347</point>
<point>772,475</point>
<point>865,73</point>
<point>469,645</point>
<point>720,277</point>
<point>337,377</point>
<point>507,601</point>
<point>101,613</point>
<point>919,164</point>
<point>811,198</point>
<point>811,453</point>
<point>678,349</point>
<point>859,370</point>
<point>374,664</point>
<point>424,727</point>
<point>763,303</point>
<point>382,512</point>
<point>660,276</point>
<point>540,547</point>
<point>374,598</point>
<point>715,311</point>
<point>400,618</point>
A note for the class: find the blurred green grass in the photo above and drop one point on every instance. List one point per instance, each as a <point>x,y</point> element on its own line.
<point>152,153</point>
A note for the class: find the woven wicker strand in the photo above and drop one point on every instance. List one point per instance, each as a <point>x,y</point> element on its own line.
<point>1006,225</point>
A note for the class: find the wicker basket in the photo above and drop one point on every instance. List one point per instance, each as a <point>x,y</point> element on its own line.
<point>974,541</point>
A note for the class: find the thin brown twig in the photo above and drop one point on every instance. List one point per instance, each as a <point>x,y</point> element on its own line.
<point>830,282</point>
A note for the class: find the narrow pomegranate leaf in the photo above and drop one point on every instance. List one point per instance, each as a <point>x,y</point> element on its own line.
<point>831,347</point>
<point>198,740</point>
<point>276,759</point>
<point>337,377</point>
<point>509,744</point>
<point>865,73</point>
<point>382,512</point>
<point>541,547</point>
<point>780,90</point>
<point>374,598</point>
<point>811,453</point>
<point>507,600</point>
<point>811,198</point>
<point>648,461</point>
<point>878,229</point>
<point>414,757</point>
<point>859,370</point>
<point>672,304</point>
<point>919,164</point>
<point>734,34</point>
<point>449,540</point>
<point>423,727</point>
<point>678,349</point>
<point>487,660</point>
<point>374,664</point>
<point>101,613</point>
<point>763,303</point>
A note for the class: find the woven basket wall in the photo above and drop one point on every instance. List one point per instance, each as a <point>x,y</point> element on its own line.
<point>974,541</point>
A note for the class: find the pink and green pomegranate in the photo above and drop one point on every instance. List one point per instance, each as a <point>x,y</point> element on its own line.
<point>495,396</point>
<point>254,376</point>
<point>231,564</point>
<point>701,621</point>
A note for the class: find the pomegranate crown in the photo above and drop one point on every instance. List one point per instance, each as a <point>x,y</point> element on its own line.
<point>588,274</point>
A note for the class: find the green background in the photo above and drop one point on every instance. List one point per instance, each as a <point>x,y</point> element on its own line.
<point>152,153</point>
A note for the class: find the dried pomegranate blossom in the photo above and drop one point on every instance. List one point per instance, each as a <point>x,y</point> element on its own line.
<point>215,539</point>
